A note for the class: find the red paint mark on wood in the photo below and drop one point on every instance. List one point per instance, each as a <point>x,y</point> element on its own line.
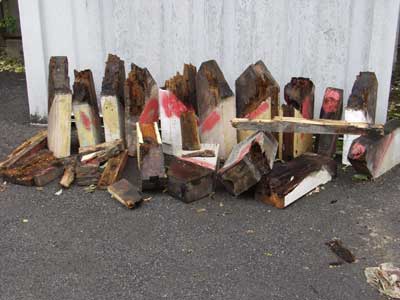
<point>172,105</point>
<point>331,101</point>
<point>85,120</point>
<point>306,110</point>
<point>200,163</point>
<point>150,112</point>
<point>210,122</point>
<point>357,151</point>
<point>262,108</point>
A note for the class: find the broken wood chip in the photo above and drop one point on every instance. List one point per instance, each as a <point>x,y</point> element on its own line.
<point>343,253</point>
<point>90,189</point>
<point>126,193</point>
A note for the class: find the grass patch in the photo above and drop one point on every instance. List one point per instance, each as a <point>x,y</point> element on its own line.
<point>10,64</point>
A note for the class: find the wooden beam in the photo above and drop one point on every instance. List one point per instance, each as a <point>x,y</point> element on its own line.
<point>85,108</point>
<point>248,162</point>
<point>216,107</point>
<point>112,98</point>
<point>126,193</point>
<point>257,95</point>
<point>190,131</point>
<point>331,109</point>
<point>287,124</point>
<point>113,170</point>
<point>288,182</point>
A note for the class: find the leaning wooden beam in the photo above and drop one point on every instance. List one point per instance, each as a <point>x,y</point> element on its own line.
<point>86,110</point>
<point>30,146</point>
<point>112,98</point>
<point>248,162</point>
<point>113,170</point>
<point>141,103</point>
<point>361,106</point>
<point>257,95</point>
<point>216,107</point>
<point>150,157</point>
<point>60,107</point>
<point>287,124</point>
<point>190,131</point>
<point>331,109</point>
<point>126,193</point>
<point>375,155</point>
<point>288,182</point>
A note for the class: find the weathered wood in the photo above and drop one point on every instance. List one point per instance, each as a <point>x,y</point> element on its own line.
<point>113,170</point>
<point>206,157</point>
<point>188,181</point>
<point>30,146</point>
<point>331,109</point>
<point>141,103</point>
<point>48,175</point>
<point>200,153</point>
<point>375,155</point>
<point>102,152</point>
<point>248,162</point>
<point>216,107</point>
<point>190,131</point>
<point>112,98</point>
<point>126,193</point>
<point>87,173</point>
<point>341,252</point>
<point>60,107</point>
<point>361,106</point>
<point>257,95</point>
<point>103,146</point>
<point>287,124</point>
<point>68,176</point>
<point>150,157</point>
<point>288,182</point>
<point>85,108</point>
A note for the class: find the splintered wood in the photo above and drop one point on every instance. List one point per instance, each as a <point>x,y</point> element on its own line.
<point>361,106</point>
<point>141,103</point>
<point>60,107</point>
<point>150,157</point>
<point>86,111</point>
<point>331,109</point>
<point>248,161</point>
<point>101,152</point>
<point>374,155</point>
<point>257,95</point>
<point>288,182</point>
<point>125,193</point>
<point>216,107</point>
<point>112,98</point>
<point>113,170</point>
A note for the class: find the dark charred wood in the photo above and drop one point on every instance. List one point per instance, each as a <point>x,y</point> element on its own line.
<point>190,131</point>
<point>58,78</point>
<point>113,170</point>
<point>299,93</point>
<point>114,78</point>
<point>343,253</point>
<point>126,194</point>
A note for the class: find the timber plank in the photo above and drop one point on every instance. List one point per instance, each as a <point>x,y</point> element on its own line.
<point>113,171</point>
<point>126,193</point>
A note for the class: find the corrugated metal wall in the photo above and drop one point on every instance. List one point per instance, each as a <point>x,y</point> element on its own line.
<point>329,41</point>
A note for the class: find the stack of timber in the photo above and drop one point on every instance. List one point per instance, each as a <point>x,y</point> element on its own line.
<point>288,182</point>
<point>248,162</point>
<point>86,110</point>
<point>331,109</point>
<point>141,103</point>
<point>299,96</point>
<point>374,154</point>
<point>150,157</point>
<point>215,107</point>
<point>112,98</point>
<point>361,106</point>
<point>60,107</point>
<point>257,95</point>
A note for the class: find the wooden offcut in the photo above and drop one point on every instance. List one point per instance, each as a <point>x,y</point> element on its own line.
<point>49,174</point>
<point>288,182</point>
<point>331,109</point>
<point>85,108</point>
<point>216,107</point>
<point>248,162</point>
<point>87,173</point>
<point>60,107</point>
<point>68,177</point>
<point>257,95</point>
<point>125,193</point>
<point>112,98</point>
<point>113,170</point>
<point>101,152</point>
<point>141,103</point>
<point>190,131</point>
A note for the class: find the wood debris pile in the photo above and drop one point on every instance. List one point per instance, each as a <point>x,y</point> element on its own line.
<point>194,133</point>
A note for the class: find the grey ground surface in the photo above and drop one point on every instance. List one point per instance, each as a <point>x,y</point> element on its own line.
<point>87,246</point>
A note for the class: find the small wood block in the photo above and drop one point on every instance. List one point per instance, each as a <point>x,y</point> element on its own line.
<point>113,171</point>
<point>112,98</point>
<point>257,95</point>
<point>375,155</point>
<point>87,174</point>
<point>216,107</point>
<point>68,177</point>
<point>190,131</point>
<point>48,175</point>
<point>331,109</point>
<point>126,193</point>
<point>188,181</point>
<point>361,107</point>
<point>27,148</point>
<point>85,108</point>
<point>248,162</point>
<point>288,182</point>
<point>150,157</point>
<point>141,103</point>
